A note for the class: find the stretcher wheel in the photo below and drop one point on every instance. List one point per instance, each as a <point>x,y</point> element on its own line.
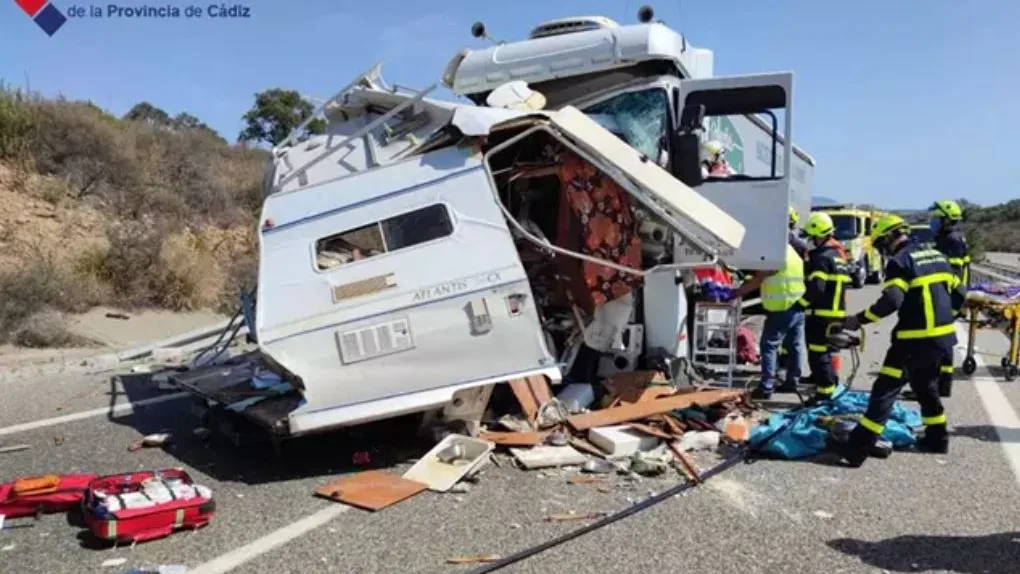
<point>969,366</point>
<point>1004,363</point>
<point>1011,372</point>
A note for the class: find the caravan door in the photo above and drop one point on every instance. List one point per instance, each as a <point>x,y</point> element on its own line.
<point>753,183</point>
<point>386,291</point>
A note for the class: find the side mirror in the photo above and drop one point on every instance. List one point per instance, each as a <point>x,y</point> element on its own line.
<point>686,154</point>
<point>686,159</point>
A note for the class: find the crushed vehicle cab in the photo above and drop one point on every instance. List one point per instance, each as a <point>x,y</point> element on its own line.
<point>853,230</point>
<point>420,251</point>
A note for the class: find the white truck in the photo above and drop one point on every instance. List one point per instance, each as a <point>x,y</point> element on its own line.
<point>421,251</point>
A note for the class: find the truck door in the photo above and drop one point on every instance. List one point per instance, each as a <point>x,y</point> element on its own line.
<point>747,114</point>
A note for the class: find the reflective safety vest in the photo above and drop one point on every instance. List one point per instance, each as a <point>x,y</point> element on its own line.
<point>782,290</point>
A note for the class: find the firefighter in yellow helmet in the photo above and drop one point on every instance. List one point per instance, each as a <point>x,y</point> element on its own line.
<point>921,287</point>
<point>799,244</point>
<point>824,301</point>
<point>946,216</point>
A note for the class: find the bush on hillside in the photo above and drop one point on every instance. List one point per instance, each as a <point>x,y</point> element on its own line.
<point>163,182</point>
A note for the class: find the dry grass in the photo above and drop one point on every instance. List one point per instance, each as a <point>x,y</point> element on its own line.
<point>126,213</point>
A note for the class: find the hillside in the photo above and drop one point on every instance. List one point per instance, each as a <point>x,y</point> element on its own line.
<point>146,211</point>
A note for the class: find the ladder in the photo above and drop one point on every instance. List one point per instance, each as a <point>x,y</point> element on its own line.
<point>715,337</point>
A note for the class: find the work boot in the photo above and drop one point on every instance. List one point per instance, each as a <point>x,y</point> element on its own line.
<point>787,387</point>
<point>858,445</point>
<point>935,440</point>
<point>761,393</point>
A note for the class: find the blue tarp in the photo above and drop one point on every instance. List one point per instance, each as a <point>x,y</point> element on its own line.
<point>803,438</point>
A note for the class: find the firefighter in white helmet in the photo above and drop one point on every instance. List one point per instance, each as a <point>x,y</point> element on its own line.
<point>713,160</point>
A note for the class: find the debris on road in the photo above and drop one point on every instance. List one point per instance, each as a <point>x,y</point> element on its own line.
<point>473,559</point>
<point>149,441</point>
<point>14,448</point>
<point>448,462</point>
<point>371,490</point>
<point>571,516</point>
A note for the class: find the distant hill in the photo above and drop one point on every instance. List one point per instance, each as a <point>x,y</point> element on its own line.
<point>822,200</point>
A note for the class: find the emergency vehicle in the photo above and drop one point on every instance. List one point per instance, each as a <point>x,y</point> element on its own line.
<point>852,229</point>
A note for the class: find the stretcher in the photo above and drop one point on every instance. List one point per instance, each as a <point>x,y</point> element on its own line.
<point>996,306</point>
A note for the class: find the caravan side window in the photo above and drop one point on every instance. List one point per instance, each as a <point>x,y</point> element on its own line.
<point>391,234</point>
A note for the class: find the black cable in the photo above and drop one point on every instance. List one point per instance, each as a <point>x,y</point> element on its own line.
<point>632,509</point>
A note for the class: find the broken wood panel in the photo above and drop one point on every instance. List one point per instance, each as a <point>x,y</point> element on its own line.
<point>514,438</point>
<point>539,386</point>
<point>651,431</point>
<point>529,406</point>
<point>372,490</point>
<point>638,411</point>
<point>675,426</point>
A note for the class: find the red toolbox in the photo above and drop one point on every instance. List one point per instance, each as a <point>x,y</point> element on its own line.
<point>141,506</point>
<point>35,495</point>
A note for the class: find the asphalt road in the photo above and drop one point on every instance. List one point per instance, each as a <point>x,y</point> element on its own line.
<point>909,513</point>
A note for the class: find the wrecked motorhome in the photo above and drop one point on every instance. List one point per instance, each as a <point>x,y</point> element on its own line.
<point>421,251</point>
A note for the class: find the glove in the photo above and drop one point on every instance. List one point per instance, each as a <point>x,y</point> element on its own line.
<point>851,323</point>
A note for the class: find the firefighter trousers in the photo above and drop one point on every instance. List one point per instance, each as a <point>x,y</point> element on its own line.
<point>823,373</point>
<point>946,376</point>
<point>923,360</point>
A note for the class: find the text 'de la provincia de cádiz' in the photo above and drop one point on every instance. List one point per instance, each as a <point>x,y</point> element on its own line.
<point>162,11</point>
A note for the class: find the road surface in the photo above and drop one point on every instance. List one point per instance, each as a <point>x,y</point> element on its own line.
<point>909,513</point>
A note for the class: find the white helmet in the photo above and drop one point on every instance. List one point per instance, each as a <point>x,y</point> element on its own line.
<point>711,150</point>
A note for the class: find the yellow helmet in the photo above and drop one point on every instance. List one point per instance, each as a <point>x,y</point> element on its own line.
<point>819,224</point>
<point>947,209</point>
<point>794,216</point>
<point>885,226</point>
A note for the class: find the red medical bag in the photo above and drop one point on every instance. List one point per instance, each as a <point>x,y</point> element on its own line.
<point>110,516</point>
<point>34,495</point>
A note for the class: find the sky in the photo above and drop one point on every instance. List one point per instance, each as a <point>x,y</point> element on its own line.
<point>898,101</point>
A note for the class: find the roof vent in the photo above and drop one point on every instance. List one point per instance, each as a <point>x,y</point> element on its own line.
<point>571,25</point>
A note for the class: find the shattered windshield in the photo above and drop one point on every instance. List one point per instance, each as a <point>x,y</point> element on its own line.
<point>638,118</point>
<point>845,227</point>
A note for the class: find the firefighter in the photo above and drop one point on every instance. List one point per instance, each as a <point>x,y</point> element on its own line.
<point>920,285</point>
<point>945,218</point>
<point>713,160</point>
<point>799,244</point>
<point>824,301</point>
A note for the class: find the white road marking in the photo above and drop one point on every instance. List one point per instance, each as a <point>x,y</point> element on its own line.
<point>1001,414</point>
<point>271,541</point>
<point>118,409</point>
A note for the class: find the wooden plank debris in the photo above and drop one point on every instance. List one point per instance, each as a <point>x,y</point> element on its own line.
<point>514,438</point>
<point>531,393</point>
<point>473,559</point>
<point>372,490</point>
<point>637,411</point>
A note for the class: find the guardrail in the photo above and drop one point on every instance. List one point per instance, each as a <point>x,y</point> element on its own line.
<point>992,273</point>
